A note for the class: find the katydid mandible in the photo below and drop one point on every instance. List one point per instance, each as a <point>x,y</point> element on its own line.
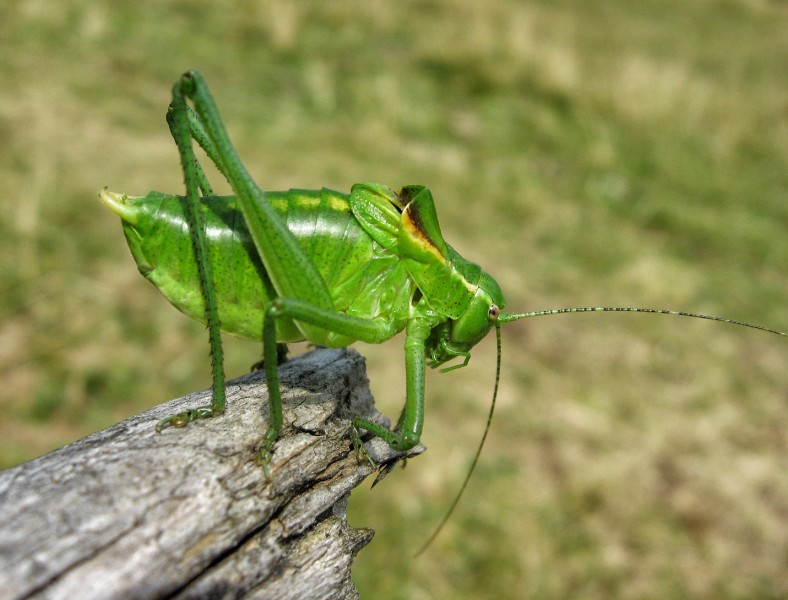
<point>315,265</point>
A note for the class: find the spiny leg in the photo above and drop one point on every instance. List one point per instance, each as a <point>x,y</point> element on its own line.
<point>204,125</point>
<point>179,121</point>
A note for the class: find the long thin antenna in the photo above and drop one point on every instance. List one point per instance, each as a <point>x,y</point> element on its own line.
<point>478,450</point>
<point>508,318</point>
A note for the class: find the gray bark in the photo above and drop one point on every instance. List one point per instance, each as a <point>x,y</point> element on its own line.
<point>186,513</point>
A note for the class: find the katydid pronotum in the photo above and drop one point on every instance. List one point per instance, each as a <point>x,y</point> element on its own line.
<point>321,266</point>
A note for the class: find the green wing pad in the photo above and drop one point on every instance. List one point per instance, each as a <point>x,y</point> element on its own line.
<point>377,209</point>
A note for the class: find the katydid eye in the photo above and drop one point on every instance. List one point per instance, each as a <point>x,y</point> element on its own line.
<point>493,312</point>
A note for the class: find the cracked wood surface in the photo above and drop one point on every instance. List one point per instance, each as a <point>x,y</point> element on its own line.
<point>186,513</point>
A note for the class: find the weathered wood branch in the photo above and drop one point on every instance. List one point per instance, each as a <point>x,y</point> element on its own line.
<point>129,513</point>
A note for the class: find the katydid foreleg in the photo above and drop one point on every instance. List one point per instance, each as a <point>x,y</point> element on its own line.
<point>410,424</point>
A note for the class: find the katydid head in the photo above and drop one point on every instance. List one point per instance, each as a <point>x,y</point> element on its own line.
<point>456,336</point>
<point>482,313</point>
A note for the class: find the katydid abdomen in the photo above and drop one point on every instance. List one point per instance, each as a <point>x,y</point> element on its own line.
<point>363,278</point>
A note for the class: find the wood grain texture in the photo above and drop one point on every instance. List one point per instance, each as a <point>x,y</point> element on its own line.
<point>186,513</point>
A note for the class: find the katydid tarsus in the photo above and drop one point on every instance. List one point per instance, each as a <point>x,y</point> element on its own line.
<point>321,266</point>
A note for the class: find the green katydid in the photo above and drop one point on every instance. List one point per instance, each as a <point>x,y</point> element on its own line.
<point>321,266</point>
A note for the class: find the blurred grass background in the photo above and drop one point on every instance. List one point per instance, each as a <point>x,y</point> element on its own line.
<point>585,153</point>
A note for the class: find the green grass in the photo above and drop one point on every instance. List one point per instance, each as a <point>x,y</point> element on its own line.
<point>585,153</point>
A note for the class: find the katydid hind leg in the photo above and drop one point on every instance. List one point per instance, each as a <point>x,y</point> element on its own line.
<point>175,120</point>
<point>291,270</point>
<point>194,177</point>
